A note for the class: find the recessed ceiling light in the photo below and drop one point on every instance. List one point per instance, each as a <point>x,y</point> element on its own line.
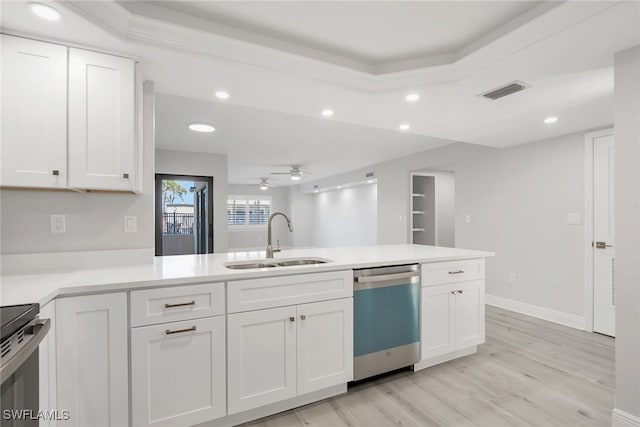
<point>327,113</point>
<point>412,97</point>
<point>201,127</point>
<point>404,127</point>
<point>370,181</point>
<point>45,12</point>
<point>315,191</point>
<point>222,94</point>
<point>338,187</point>
<point>551,119</point>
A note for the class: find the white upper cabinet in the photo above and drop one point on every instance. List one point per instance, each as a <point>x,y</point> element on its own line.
<point>102,121</point>
<point>34,114</point>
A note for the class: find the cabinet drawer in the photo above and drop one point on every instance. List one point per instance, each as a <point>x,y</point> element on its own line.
<point>162,305</point>
<point>255,294</point>
<point>439,273</point>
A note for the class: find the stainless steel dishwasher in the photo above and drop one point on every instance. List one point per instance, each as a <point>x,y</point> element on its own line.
<point>386,326</point>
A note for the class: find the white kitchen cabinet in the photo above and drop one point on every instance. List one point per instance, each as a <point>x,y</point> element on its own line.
<point>92,360</point>
<point>452,318</point>
<point>276,354</point>
<point>34,114</point>
<point>178,372</point>
<point>102,121</point>
<point>261,357</point>
<point>325,344</point>
<point>47,365</point>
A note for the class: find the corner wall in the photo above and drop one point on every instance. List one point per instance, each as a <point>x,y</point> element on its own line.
<point>627,194</point>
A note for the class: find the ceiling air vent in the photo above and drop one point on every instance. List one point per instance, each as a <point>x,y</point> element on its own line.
<point>503,91</point>
<point>369,175</point>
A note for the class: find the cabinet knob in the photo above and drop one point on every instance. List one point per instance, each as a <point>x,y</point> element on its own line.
<point>303,317</point>
<point>56,172</point>
<point>125,175</point>
<point>292,319</point>
<point>459,291</point>
<point>453,292</point>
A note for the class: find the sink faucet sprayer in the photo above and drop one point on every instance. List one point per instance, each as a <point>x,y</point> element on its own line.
<point>270,249</point>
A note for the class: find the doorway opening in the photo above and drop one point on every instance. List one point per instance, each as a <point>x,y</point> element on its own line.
<point>183,215</point>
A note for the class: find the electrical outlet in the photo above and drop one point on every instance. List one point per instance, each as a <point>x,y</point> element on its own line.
<point>573,219</point>
<point>57,222</point>
<point>467,219</point>
<point>130,224</point>
<point>513,278</point>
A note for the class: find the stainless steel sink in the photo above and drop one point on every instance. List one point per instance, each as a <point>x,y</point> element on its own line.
<point>275,263</point>
<point>301,262</point>
<point>249,265</point>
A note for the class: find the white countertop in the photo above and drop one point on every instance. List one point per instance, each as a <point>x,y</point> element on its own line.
<point>189,269</point>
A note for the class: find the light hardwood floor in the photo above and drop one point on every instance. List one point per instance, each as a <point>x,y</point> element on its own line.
<point>529,372</point>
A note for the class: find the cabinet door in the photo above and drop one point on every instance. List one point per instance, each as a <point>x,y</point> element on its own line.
<point>437,321</point>
<point>47,365</point>
<point>102,134</point>
<point>261,357</point>
<point>34,113</point>
<point>91,358</point>
<point>325,344</point>
<point>469,313</point>
<point>178,372</point>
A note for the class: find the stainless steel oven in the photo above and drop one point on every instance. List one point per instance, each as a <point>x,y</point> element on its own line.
<point>22,332</point>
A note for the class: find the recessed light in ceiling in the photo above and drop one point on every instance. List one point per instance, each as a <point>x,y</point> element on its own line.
<point>339,187</point>
<point>222,94</point>
<point>550,120</point>
<point>201,127</point>
<point>327,113</point>
<point>404,127</point>
<point>412,97</point>
<point>370,181</point>
<point>45,12</point>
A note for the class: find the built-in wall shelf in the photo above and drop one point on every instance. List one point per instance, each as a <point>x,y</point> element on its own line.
<point>422,218</point>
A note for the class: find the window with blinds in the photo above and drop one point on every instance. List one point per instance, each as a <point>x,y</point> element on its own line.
<point>248,211</point>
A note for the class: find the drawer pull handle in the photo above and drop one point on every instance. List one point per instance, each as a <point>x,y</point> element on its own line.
<point>182,304</point>
<point>56,172</point>
<point>456,272</point>
<point>292,319</point>
<point>459,291</point>
<point>179,331</point>
<point>125,175</point>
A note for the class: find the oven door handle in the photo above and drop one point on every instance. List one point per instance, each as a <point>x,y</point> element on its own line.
<point>38,332</point>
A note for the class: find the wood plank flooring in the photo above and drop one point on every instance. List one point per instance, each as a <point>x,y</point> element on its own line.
<point>529,373</point>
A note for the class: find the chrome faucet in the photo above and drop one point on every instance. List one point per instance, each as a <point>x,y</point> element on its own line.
<point>270,249</point>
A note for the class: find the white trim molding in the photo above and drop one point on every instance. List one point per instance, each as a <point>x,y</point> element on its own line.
<point>620,418</point>
<point>566,319</point>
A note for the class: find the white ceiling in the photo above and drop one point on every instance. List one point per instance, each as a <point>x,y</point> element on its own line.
<point>259,142</point>
<point>374,34</point>
<point>275,58</point>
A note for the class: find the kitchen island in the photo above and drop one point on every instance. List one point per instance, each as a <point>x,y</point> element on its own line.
<point>187,340</point>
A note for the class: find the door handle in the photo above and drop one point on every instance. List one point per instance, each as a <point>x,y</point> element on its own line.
<point>601,245</point>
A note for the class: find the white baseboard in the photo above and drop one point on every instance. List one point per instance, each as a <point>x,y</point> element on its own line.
<point>624,419</point>
<point>543,313</point>
<point>444,358</point>
<point>11,264</point>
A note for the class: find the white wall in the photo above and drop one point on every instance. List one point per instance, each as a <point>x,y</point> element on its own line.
<point>202,164</point>
<point>627,195</point>
<point>251,238</point>
<point>346,217</point>
<point>94,220</point>
<point>301,208</point>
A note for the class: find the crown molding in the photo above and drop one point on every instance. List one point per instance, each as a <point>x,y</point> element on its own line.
<point>547,20</point>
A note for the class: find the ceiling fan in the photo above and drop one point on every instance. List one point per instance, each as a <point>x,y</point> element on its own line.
<point>295,173</point>
<point>263,184</point>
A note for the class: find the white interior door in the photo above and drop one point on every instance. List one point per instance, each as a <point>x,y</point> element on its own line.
<point>603,235</point>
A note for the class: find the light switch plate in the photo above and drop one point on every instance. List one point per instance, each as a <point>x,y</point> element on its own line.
<point>574,219</point>
<point>57,223</point>
<point>130,224</point>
